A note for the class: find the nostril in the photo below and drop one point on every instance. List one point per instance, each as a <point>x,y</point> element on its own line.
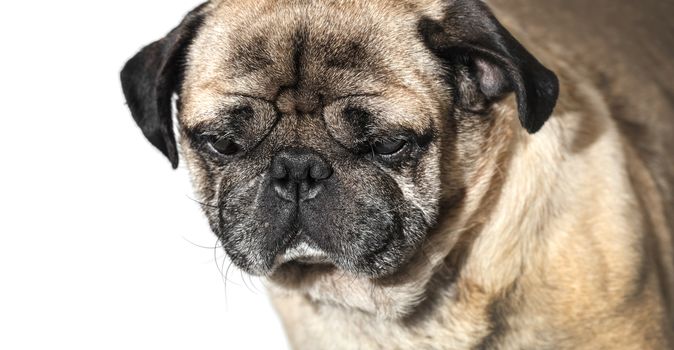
<point>320,171</point>
<point>286,189</point>
<point>278,171</point>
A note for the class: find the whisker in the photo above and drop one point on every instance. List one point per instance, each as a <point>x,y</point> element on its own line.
<point>255,287</point>
<point>244,281</point>
<point>202,203</point>
<point>201,246</point>
<point>227,272</point>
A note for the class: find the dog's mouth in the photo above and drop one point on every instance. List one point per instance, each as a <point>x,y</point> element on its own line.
<point>302,254</point>
<point>299,264</point>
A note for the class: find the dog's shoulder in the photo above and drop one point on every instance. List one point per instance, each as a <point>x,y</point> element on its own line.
<point>625,49</point>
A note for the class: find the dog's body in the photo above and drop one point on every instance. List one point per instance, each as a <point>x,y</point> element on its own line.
<point>560,239</point>
<point>575,257</point>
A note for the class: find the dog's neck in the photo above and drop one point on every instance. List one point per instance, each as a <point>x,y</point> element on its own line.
<point>516,269</point>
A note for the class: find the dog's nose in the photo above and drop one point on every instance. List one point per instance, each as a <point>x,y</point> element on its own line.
<point>297,174</point>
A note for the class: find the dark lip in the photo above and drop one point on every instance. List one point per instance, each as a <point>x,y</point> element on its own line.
<point>300,264</point>
<point>296,275</point>
<point>299,250</point>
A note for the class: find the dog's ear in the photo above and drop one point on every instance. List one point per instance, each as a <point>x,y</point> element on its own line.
<point>150,78</point>
<point>485,62</point>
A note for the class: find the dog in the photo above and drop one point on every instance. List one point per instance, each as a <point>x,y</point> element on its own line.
<point>410,174</point>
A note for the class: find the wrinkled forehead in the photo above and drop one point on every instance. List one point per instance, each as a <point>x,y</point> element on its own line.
<point>303,55</point>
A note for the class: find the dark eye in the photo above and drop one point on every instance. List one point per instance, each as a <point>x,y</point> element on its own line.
<point>224,146</point>
<point>242,112</point>
<point>388,147</point>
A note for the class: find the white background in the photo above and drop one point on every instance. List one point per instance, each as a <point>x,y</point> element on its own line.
<point>99,239</point>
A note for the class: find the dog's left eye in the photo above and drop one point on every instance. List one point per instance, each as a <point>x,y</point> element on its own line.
<point>224,146</point>
<point>388,147</point>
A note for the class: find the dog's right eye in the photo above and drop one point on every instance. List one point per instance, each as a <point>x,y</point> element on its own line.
<point>386,148</point>
<point>224,146</point>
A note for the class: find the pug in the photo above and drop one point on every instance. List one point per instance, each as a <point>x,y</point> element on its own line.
<point>407,175</point>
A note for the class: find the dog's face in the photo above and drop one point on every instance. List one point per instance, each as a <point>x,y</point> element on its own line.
<point>308,142</point>
<point>329,135</point>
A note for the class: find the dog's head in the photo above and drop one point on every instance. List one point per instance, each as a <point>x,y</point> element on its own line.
<point>332,134</point>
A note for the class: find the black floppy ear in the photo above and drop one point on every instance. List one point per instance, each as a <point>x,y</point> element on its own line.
<point>150,78</point>
<point>487,63</point>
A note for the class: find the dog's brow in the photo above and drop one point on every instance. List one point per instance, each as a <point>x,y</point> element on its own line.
<point>328,102</point>
<point>364,94</point>
<point>342,97</point>
<point>246,95</point>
